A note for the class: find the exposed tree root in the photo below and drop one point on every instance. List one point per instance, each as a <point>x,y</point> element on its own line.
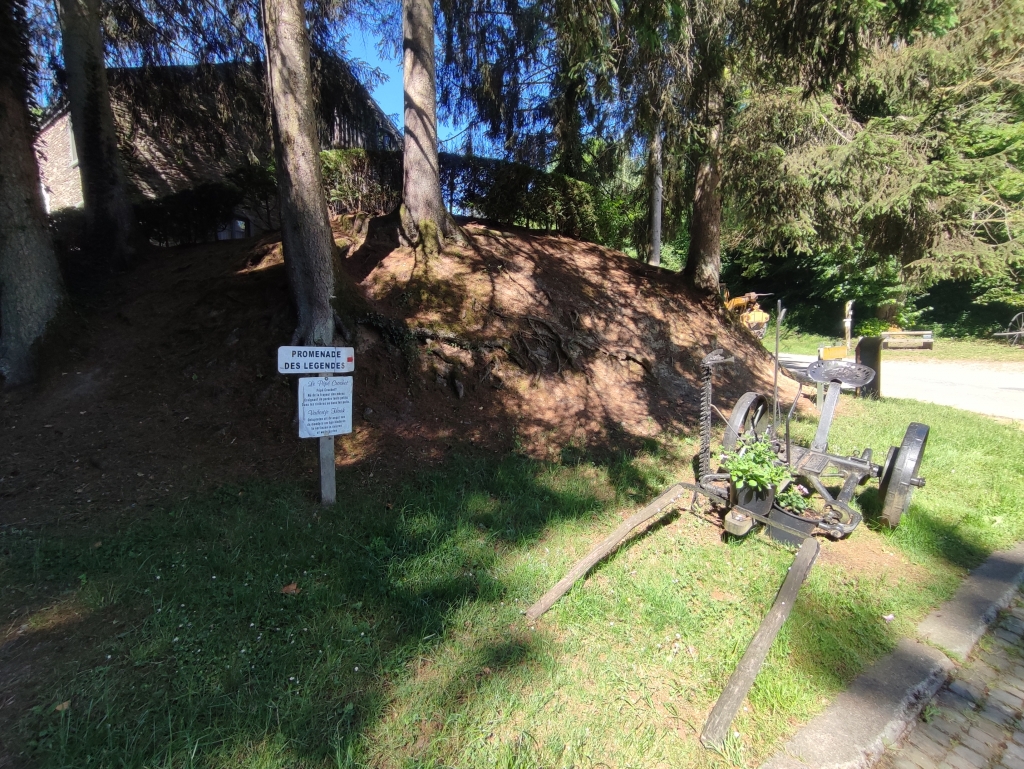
<point>539,344</point>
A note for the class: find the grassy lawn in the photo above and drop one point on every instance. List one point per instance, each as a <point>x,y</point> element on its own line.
<point>986,350</point>
<point>962,349</point>
<point>798,343</point>
<point>406,646</point>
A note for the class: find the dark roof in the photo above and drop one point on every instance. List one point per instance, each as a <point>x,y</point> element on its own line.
<point>182,125</point>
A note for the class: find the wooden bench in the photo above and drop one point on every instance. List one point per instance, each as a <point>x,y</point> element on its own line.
<point>906,340</point>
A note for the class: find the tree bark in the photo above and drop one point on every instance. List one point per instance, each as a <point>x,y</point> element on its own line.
<point>31,289</point>
<point>109,215</point>
<point>656,194</point>
<point>704,259</point>
<point>425,222</point>
<point>566,94</point>
<point>306,231</point>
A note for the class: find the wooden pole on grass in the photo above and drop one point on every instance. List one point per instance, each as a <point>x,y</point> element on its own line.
<point>717,727</point>
<point>607,545</point>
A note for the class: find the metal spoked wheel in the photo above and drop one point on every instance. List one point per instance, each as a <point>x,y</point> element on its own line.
<point>749,417</point>
<point>1015,331</point>
<point>899,475</point>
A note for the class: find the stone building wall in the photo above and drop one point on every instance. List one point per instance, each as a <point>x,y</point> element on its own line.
<point>58,165</point>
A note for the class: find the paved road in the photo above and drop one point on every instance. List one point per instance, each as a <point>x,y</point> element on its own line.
<point>996,389</point>
<point>974,722</point>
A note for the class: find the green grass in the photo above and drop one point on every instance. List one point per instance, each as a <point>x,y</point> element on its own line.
<point>406,646</point>
<point>796,342</point>
<point>974,499</point>
<point>987,350</point>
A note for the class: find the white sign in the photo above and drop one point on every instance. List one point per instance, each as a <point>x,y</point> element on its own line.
<point>325,406</point>
<point>319,360</point>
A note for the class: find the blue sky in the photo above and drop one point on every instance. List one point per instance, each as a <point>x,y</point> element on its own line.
<point>389,93</point>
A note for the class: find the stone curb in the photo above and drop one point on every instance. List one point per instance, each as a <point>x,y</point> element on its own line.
<point>958,624</point>
<point>884,700</point>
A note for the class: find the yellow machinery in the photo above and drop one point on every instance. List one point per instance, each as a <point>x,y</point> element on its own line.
<point>748,311</point>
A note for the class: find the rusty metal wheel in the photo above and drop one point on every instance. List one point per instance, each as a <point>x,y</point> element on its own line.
<point>750,416</point>
<point>899,474</point>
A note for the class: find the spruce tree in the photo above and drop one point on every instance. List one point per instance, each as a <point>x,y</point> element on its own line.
<point>109,216</point>
<point>306,231</point>
<point>31,289</point>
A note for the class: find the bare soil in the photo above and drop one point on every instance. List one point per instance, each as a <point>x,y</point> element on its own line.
<point>569,343</point>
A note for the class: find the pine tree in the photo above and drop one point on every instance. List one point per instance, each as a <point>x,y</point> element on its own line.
<point>109,215</point>
<point>306,231</point>
<point>911,172</point>
<point>811,43</point>
<point>31,289</point>
<point>424,220</point>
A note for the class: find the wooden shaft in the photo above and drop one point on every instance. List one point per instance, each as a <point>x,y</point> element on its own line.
<point>328,486</point>
<point>607,545</point>
<point>717,727</point>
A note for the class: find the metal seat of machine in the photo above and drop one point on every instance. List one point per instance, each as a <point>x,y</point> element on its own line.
<point>844,372</point>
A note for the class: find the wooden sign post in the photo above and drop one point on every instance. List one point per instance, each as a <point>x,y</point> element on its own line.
<point>848,324</point>
<point>325,401</point>
<point>328,483</point>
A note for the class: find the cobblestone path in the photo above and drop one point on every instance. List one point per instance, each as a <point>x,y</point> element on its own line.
<point>976,721</point>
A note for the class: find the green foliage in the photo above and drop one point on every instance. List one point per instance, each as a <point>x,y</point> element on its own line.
<point>515,194</point>
<point>793,498</point>
<point>500,191</point>
<point>258,183</point>
<point>189,216</point>
<point>871,327</point>
<point>357,180</point>
<point>914,175</point>
<point>754,464</point>
<point>1005,289</point>
<point>956,309</point>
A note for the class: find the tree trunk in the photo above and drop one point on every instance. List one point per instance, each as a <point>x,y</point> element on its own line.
<point>566,94</point>
<point>425,222</point>
<point>31,290</point>
<point>109,215</point>
<point>305,229</point>
<point>704,260</point>
<point>656,193</point>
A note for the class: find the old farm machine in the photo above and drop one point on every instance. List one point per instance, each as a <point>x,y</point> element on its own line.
<point>833,477</point>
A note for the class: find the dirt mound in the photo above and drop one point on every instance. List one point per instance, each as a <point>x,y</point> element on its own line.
<point>512,339</point>
<point>561,342</point>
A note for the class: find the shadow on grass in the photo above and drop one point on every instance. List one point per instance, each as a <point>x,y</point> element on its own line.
<point>407,612</point>
<point>223,667</point>
<point>923,533</point>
